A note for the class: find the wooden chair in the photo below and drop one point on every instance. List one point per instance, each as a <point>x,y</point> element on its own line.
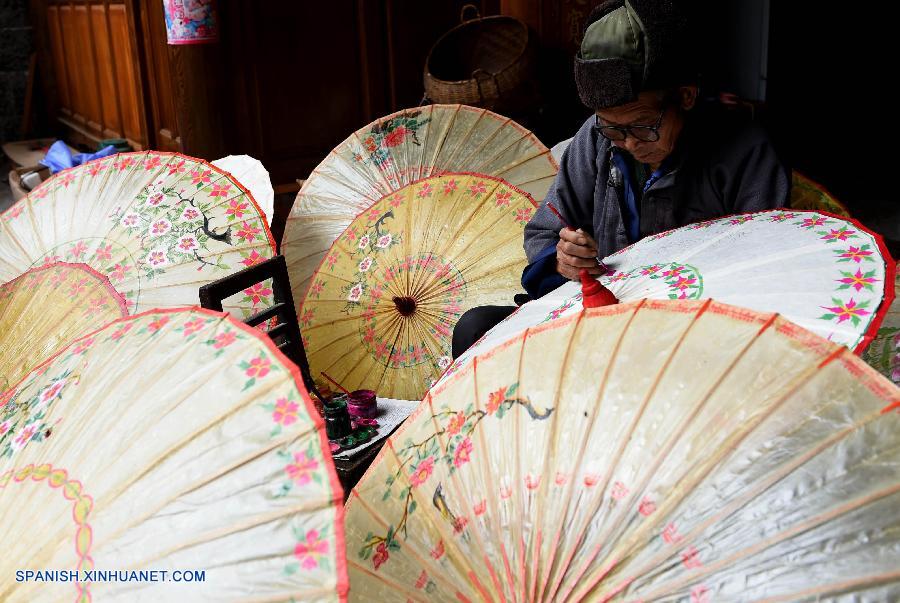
<point>286,330</point>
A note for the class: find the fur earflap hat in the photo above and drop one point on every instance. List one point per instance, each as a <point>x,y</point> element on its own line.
<point>630,46</point>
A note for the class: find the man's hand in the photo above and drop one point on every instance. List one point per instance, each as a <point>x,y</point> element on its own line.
<point>576,250</point>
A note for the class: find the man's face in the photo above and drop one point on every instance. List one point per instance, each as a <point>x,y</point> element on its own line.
<point>645,111</point>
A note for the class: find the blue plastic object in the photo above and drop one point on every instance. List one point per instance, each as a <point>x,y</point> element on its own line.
<point>59,157</point>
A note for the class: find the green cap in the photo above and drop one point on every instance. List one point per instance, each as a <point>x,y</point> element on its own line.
<point>618,34</point>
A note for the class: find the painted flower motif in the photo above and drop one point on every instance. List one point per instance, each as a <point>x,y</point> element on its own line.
<point>463,453</point>
<point>856,254</point>
<point>459,524</point>
<point>523,214</point>
<point>190,214</point>
<point>355,293</point>
<point>456,423</point>
<point>77,288</point>
<point>83,346</point>
<point>117,272</point>
<point>365,265</point>
<point>177,168</point>
<point>236,209</point>
<point>157,324</point>
<point>422,471</point>
<point>532,481</point>
<point>841,234</point>
<point>450,186</point>
<point>495,399</point>
<point>812,222</point>
<point>311,550</point>
<point>700,594</point>
<point>646,507</point>
<point>53,391</point>
<point>859,280</point>
<point>670,533</point>
<point>363,242</point>
<point>200,176</point>
<point>223,340</point>
<point>187,244</point>
<point>560,479</point>
<point>691,558</point>
<point>160,227</point>
<point>120,332</point>
<point>5,426</point>
<point>394,138</point>
<point>248,232</point>
<point>503,198</point>
<point>66,178</point>
<point>396,200</point>
<point>422,580</point>
<point>24,436</point>
<point>683,283</point>
<point>477,188</point>
<point>130,220</point>
<point>152,162</point>
<point>300,471</point>
<point>252,259</point>
<point>381,555</point>
<point>384,241</point>
<point>591,479</point>
<point>480,508</point>
<point>77,250</point>
<point>155,199</point>
<point>425,190</point>
<point>258,367</point>
<point>306,318</point>
<point>95,167</point>
<point>285,412</point>
<point>158,258</point>
<point>619,491</point>
<point>258,293</point>
<point>438,551</point>
<point>103,253</point>
<point>846,311</point>
<point>443,362</point>
<point>648,270</point>
<point>220,190</point>
<point>740,220</point>
<point>192,326</point>
<point>781,217</point>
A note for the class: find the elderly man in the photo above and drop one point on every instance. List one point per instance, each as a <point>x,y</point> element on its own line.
<point>651,158</point>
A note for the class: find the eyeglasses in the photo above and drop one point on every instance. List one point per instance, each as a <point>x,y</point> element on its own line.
<point>642,133</point>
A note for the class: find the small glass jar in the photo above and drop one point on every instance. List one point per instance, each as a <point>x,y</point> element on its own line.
<point>337,419</point>
<point>362,404</point>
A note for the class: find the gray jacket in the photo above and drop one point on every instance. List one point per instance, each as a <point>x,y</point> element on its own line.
<point>720,167</point>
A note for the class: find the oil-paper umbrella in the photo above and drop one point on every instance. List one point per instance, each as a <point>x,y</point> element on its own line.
<point>884,352</point>
<point>826,274</point>
<point>394,151</point>
<point>48,307</point>
<point>175,440</point>
<point>159,225</point>
<point>381,308</point>
<point>649,451</point>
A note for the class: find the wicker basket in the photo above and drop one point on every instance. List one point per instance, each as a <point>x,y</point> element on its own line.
<point>483,61</point>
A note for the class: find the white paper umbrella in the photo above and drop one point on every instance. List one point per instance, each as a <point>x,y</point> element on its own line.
<point>824,273</point>
<point>159,225</point>
<point>649,451</point>
<point>395,151</point>
<point>252,174</point>
<point>174,440</point>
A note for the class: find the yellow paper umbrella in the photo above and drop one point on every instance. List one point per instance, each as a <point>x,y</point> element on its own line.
<point>381,308</point>
<point>159,225</point>
<point>650,451</point>
<point>391,153</point>
<point>808,194</point>
<point>48,307</point>
<point>177,442</point>
<point>884,351</point>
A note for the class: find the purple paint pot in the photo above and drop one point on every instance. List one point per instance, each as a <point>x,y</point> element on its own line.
<point>362,404</point>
